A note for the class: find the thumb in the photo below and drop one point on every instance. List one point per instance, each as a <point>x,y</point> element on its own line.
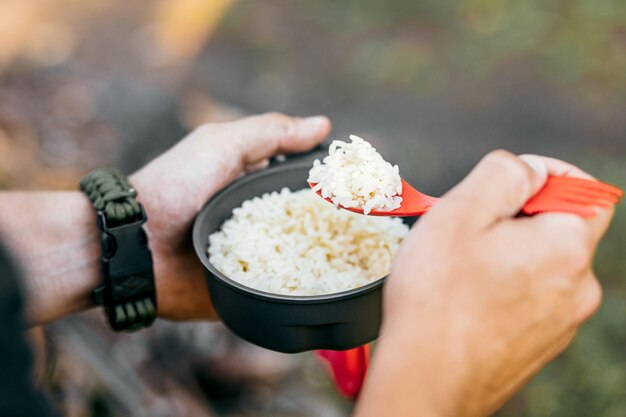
<point>498,187</point>
<point>259,137</point>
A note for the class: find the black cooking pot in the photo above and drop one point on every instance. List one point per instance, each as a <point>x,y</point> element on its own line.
<point>274,321</point>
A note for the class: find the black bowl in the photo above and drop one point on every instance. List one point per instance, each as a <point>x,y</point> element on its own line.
<point>274,321</point>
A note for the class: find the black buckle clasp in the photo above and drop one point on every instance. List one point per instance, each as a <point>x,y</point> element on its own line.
<point>128,292</point>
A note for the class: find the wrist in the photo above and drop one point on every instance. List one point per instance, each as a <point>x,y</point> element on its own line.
<point>54,237</point>
<point>401,383</point>
<point>180,284</point>
<point>181,288</point>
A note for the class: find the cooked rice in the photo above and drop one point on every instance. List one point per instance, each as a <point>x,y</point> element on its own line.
<point>356,175</point>
<point>295,243</point>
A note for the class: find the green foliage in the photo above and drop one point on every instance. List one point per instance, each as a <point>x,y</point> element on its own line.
<point>566,41</point>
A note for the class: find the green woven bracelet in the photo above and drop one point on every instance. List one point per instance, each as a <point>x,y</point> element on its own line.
<point>128,292</point>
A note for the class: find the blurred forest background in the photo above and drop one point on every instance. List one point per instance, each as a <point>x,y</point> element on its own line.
<point>434,84</point>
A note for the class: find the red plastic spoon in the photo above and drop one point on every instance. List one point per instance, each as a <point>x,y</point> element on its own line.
<point>559,194</point>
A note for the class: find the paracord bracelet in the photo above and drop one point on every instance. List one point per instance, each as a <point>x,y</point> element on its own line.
<point>128,293</point>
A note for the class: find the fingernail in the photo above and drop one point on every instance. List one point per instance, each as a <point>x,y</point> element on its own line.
<point>257,166</point>
<point>315,122</point>
<point>535,163</point>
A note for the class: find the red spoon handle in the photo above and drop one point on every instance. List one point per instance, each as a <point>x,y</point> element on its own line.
<point>572,195</point>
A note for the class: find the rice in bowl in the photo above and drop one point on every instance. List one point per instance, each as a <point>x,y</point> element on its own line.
<point>295,243</point>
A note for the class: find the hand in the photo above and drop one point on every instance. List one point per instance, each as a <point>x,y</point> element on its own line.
<point>479,300</point>
<point>174,187</point>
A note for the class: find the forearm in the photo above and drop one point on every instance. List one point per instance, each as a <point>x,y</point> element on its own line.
<point>54,236</point>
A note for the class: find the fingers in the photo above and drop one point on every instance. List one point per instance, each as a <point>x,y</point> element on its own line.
<point>559,228</point>
<point>596,225</point>
<point>559,346</point>
<point>496,188</point>
<point>599,223</point>
<point>257,166</point>
<point>590,299</point>
<point>259,137</point>
<point>557,168</point>
<point>501,183</point>
<point>536,163</point>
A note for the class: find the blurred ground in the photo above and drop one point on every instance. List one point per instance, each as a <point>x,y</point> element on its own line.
<point>434,84</point>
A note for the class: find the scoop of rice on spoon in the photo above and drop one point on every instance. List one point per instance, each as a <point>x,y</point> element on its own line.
<point>354,176</point>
